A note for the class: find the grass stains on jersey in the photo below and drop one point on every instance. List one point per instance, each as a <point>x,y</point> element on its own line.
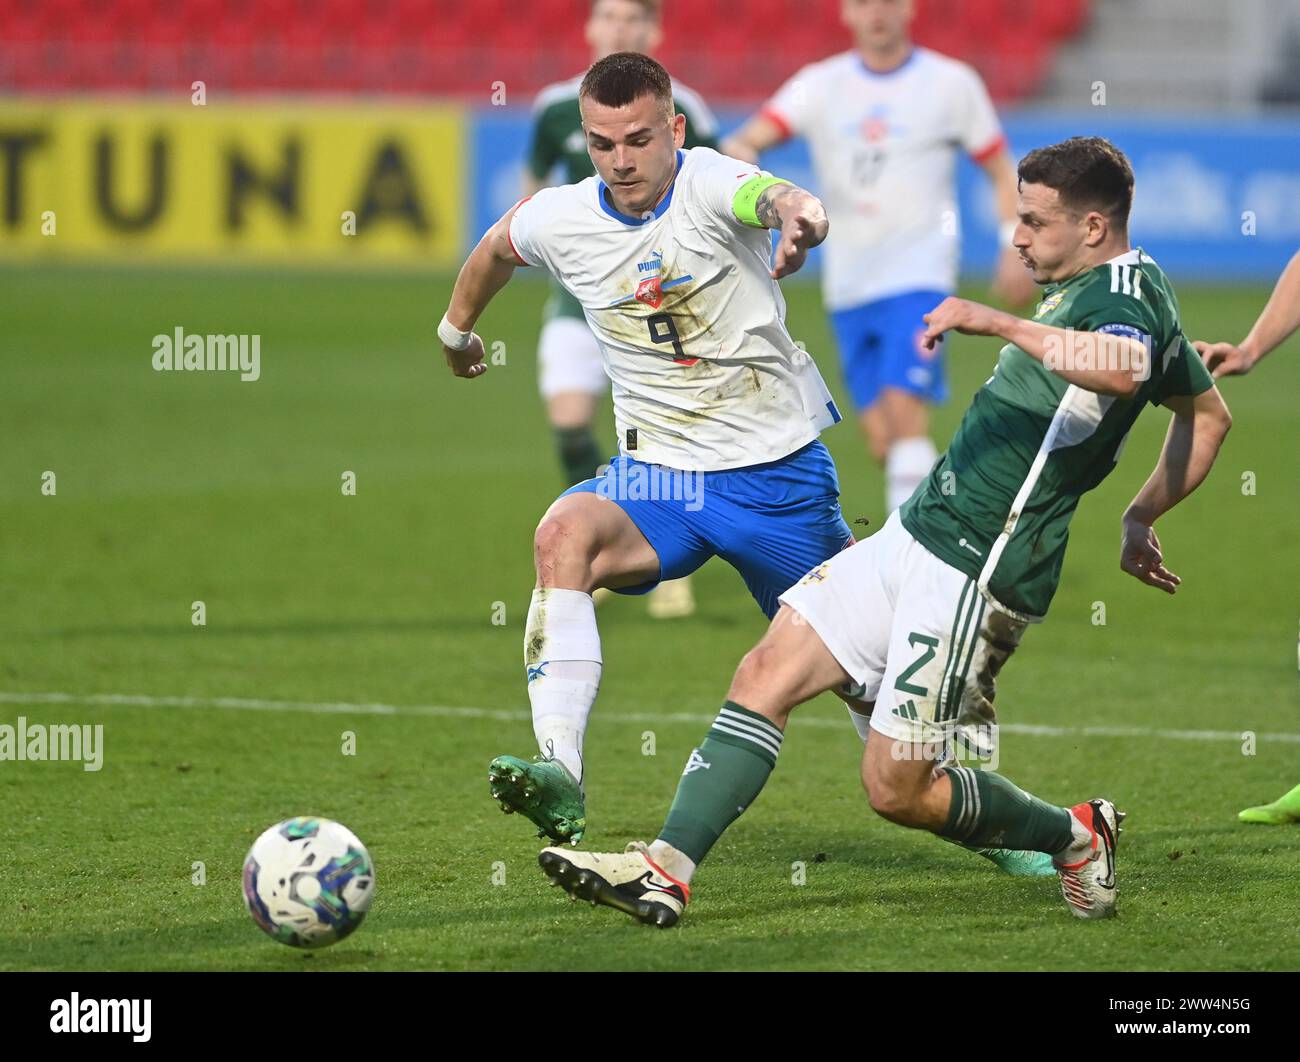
<point>998,504</point>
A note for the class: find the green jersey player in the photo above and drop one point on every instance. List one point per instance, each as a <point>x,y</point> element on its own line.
<point>571,370</point>
<point>925,613</point>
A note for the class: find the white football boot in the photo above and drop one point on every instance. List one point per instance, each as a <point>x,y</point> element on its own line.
<point>627,881</point>
<point>1087,867</point>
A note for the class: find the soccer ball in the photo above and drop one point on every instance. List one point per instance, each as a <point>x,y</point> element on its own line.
<point>308,882</point>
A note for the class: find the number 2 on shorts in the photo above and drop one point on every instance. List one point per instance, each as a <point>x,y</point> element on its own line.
<point>931,644</point>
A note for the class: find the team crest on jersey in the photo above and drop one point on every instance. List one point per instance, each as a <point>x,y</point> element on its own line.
<point>651,292</point>
<point>875,129</point>
<point>1049,304</point>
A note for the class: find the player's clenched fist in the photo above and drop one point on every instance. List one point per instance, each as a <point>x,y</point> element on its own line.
<point>469,362</point>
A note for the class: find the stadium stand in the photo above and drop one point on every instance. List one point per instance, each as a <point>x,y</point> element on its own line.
<point>724,48</point>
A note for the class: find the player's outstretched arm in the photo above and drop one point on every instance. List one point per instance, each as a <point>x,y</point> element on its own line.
<point>799,217</point>
<point>1196,432</point>
<point>486,271</point>
<point>1281,317</point>
<point>1062,350</point>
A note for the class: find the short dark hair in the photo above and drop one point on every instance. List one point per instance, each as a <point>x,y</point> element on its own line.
<point>1088,172</point>
<point>618,79</point>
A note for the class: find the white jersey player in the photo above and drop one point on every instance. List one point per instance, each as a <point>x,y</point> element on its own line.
<point>884,123</point>
<point>571,370</point>
<point>718,410</point>
<point>681,299</point>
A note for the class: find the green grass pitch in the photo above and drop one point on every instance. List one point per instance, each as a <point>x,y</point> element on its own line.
<point>183,487</point>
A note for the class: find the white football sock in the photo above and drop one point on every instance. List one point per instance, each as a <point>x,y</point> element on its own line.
<point>562,658</point>
<point>908,462</point>
<point>861,723</point>
<point>674,863</point>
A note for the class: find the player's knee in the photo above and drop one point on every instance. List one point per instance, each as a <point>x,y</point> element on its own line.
<point>756,680</point>
<point>561,542</point>
<point>755,668</point>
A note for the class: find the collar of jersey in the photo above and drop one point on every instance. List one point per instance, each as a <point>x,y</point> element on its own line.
<point>1133,256</point>
<point>862,65</point>
<point>608,208</point>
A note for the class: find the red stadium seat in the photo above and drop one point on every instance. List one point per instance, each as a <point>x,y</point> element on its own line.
<point>726,49</point>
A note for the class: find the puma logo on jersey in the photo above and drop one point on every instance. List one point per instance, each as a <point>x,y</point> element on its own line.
<point>696,762</point>
<point>537,672</point>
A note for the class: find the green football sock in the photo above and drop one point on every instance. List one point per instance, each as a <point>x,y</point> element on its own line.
<point>988,811</point>
<point>722,778</point>
<point>579,453</point>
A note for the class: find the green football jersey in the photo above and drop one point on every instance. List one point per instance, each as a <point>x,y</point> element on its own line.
<point>998,504</point>
<point>557,140</point>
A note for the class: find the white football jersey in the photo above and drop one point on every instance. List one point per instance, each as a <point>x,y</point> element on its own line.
<point>691,323</point>
<point>884,147</point>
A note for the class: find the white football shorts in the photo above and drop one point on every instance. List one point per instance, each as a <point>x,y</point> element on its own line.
<point>569,359</point>
<point>915,632</point>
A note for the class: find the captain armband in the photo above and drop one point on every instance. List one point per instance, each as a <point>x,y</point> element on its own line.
<point>745,202</point>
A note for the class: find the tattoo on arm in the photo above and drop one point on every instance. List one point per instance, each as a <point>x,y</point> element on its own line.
<point>766,208</point>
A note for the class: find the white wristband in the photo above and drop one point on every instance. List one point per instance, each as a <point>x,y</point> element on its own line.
<point>1007,233</point>
<point>452,337</point>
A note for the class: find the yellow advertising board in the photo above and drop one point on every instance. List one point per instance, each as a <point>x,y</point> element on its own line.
<point>291,183</point>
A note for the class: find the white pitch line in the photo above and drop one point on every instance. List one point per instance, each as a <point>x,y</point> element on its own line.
<point>135,700</point>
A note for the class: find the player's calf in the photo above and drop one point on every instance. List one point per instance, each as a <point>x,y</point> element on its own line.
<point>903,782</point>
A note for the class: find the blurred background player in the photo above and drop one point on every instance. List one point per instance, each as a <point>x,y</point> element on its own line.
<point>1278,322</point>
<point>572,369</point>
<point>884,122</point>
